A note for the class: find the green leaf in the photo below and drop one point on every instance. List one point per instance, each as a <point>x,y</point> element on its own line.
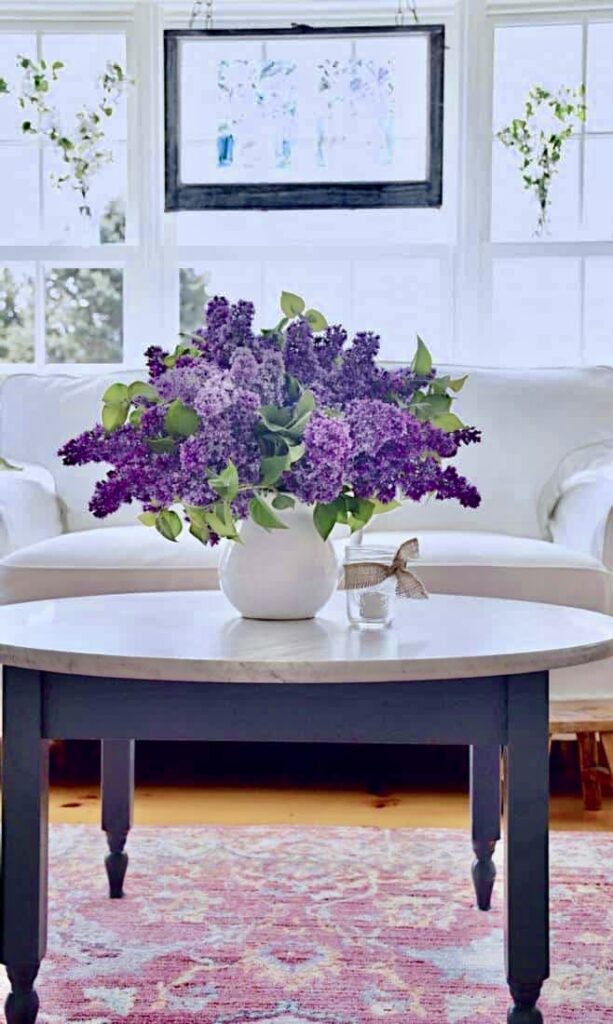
<point>180,420</point>
<point>139,389</point>
<point>283,501</point>
<point>295,452</point>
<point>116,394</point>
<point>448,422</point>
<point>315,320</point>
<point>298,428</point>
<point>113,417</point>
<point>457,384</point>
<point>436,405</point>
<point>221,522</point>
<point>200,531</point>
<point>136,415</point>
<point>162,445</point>
<point>3,85</point>
<point>276,418</point>
<point>147,518</point>
<point>8,467</point>
<point>381,507</point>
<point>272,468</point>
<point>325,516</point>
<point>305,404</point>
<point>226,483</point>
<point>422,360</point>
<point>292,305</point>
<point>263,515</point>
<point>168,524</point>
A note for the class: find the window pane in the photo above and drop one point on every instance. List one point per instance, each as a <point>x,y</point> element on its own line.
<point>84,315</point>
<point>599,310</point>
<point>598,202</point>
<point>18,193</point>
<point>17,313</point>
<point>11,46</point>
<point>236,279</point>
<point>536,313</point>
<point>399,301</point>
<point>320,227</point>
<point>85,58</point>
<point>527,55</point>
<point>600,77</point>
<point>65,223</point>
<point>323,285</point>
<point>515,209</point>
<point>193,296</point>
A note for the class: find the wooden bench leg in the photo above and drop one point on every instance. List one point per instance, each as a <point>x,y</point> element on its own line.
<point>591,771</point>
<point>607,743</point>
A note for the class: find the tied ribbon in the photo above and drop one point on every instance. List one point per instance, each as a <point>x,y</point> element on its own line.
<point>361,575</point>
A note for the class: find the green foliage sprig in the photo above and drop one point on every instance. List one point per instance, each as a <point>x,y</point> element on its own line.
<point>82,149</point>
<point>539,138</point>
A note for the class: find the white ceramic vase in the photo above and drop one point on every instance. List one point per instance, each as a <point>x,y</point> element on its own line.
<point>279,574</point>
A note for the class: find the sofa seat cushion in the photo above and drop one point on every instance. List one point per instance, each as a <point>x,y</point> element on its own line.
<point>120,559</point>
<point>497,565</point>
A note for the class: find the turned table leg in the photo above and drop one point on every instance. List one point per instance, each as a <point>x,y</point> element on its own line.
<point>527,845</point>
<point>25,757</point>
<point>117,805</point>
<point>485,813</point>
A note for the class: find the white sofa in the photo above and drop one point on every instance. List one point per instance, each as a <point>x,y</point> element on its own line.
<point>544,530</point>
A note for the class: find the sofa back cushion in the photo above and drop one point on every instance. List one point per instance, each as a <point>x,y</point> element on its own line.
<point>531,420</point>
<point>38,414</point>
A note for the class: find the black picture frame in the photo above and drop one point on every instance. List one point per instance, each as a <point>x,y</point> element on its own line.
<point>275,195</point>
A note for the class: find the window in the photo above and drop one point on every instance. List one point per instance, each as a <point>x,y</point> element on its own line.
<point>549,298</point>
<point>471,277</point>
<point>55,309</point>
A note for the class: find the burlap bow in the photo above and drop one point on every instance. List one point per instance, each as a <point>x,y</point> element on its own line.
<point>361,575</point>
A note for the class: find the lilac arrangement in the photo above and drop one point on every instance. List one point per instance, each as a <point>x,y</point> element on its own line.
<point>238,422</point>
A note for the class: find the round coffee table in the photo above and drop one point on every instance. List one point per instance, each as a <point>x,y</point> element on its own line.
<point>184,667</point>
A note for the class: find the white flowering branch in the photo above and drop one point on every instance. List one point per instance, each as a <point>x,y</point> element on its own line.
<point>82,150</point>
<point>540,137</point>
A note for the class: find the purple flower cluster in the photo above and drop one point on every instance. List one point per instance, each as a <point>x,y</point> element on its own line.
<point>364,438</point>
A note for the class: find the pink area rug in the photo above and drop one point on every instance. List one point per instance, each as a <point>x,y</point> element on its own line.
<point>310,926</point>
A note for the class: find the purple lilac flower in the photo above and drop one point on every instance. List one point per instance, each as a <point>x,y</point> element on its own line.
<point>320,474</point>
<point>155,356</point>
<point>361,439</point>
<point>299,353</point>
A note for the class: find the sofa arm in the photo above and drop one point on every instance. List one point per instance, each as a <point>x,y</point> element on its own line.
<point>583,515</point>
<point>29,508</point>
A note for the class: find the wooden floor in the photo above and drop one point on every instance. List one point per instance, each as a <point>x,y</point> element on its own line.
<point>183,805</point>
<point>182,784</point>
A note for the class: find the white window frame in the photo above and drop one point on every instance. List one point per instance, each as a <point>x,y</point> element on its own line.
<point>475,237</point>
<point>151,257</point>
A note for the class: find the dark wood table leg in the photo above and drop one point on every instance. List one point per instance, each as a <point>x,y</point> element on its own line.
<point>485,814</point>
<point>25,761</point>
<point>527,845</point>
<point>117,806</point>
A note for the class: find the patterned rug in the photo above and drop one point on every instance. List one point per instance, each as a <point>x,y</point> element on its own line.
<point>310,926</point>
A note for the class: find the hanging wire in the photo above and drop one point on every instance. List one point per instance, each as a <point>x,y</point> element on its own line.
<point>406,7</point>
<point>197,11</point>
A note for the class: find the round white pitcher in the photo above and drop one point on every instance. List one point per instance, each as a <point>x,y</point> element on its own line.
<point>279,574</point>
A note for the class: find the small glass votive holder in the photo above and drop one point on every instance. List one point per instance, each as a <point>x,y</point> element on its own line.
<point>370,607</point>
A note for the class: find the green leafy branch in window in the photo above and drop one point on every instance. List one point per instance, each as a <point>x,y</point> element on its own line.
<point>82,150</point>
<point>540,136</point>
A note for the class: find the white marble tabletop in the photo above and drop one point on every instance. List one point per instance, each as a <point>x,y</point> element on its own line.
<point>199,637</point>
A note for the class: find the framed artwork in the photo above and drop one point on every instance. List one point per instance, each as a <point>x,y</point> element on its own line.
<point>304,118</point>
